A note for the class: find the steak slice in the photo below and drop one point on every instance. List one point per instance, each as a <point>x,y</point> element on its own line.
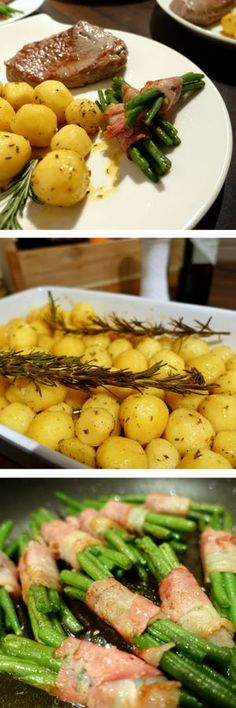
<point>78,56</point>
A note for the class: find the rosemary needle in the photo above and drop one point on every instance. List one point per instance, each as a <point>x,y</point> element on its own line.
<point>16,196</point>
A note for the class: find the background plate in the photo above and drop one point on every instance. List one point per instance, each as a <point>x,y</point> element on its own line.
<point>214,32</point>
<point>200,163</point>
<point>25,6</point>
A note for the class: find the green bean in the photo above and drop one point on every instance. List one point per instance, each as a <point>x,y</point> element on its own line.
<point>187,700</point>
<point>49,636</point>
<point>74,593</point>
<point>227,521</point>
<point>69,619</point>
<point>157,531</point>
<point>30,650</point>
<point>102,100</point>
<point>178,547</point>
<point>41,599</point>
<point>141,162</point>
<point>5,530</point>
<point>118,558</point>
<point>208,508</point>
<point>162,135</point>
<point>92,567</point>
<point>230,588</point>
<point>205,687</point>
<point>56,625</point>
<point>11,618</point>
<point>163,162</point>
<point>152,112</point>
<point>77,580</point>
<point>172,522</point>
<point>217,584</point>
<point>22,668</point>
<point>54,599</point>
<point>142,98</point>
<point>65,499</point>
<point>12,548</point>
<point>132,115</point>
<point>45,681</point>
<point>184,641</point>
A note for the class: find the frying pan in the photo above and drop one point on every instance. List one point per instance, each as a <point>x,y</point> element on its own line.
<point>20,496</point>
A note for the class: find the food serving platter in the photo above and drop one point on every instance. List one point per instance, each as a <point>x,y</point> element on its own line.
<point>199,169</point>
<point>14,694</point>
<point>214,32</point>
<point>26,7</point>
<point>28,452</point>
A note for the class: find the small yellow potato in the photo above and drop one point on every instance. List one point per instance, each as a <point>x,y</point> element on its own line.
<point>81,314</point>
<point>45,396</point>
<point>188,400</point>
<point>61,407</point>
<point>54,95</point>
<point>61,178</point>
<point>94,425</point>
<point>220,410</point>
<point>84,113</point>
<point>18,93</point>
<point>15,322</point>
<point>17,416</point>
<point>96,340</point>
<point>151,390</point>
<point>224,352</point>
<point>231,363</point>
<point>41,327</point>
<point>209,365</point>
<point>225,444</point>
<point>143,417</point>
<point>36,123</point>
<point>15,152</point>
<point>49,427</point>
<point>189,347</point>
<point>172,363</point>
<point>226,383</point>
<point>204,459</point>
<point>188,431</point>
<point>3,336</point>
<point>69,345</point>
<point>97,356</point>
<point>7,114</point>
<point>118,346</point>
<point>45,342</point>
<point>72,137</point>
<point>131,359</point>
<point>21,336</point>
<point>121,454</point>
<point>148,346</point>
<point>103,400</point>
<point>75,398</point>
<point>78,451</point>
<point>1,88</point>
<point>161,455</point>
<point>166,342</point>
<point>3,402</point>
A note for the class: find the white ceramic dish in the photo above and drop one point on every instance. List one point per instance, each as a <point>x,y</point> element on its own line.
<point>214,33</point>
<point>27,7</point>
<point>199,170</point>
<point>23,449</point>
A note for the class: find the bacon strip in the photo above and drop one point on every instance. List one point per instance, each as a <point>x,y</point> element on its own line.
<point>94,522</point>
<point>127,612</point>
<point>105,676</point>
<point>65,540</point>
<point>9,575</point>
<point>129,516</point>
<point>218,552</point>
<point>37,566</point>
<point>162,503</point>
<point>114,117</point>
<point>170,87</point>
<point>183,601</point>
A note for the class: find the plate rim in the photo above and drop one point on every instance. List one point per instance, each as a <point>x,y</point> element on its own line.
<point>203,31</point>
<point>11,20</point>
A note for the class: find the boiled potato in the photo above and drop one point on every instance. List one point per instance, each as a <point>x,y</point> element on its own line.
<point>103,400</point>
<point>61,407</point>
<point>229,24</point>
<point>188,431</point>
<point>16,390</point>
<point>96,340</point>
<point>189,347</point>
<point>15,152</point>
<point>21,336</point>
<point>94,425</point>
<point>3,333</point>
<point>75,398</point>
<point>231,363</point>
<point>224,352</point>
<point>220,410</point>
<point>172,363</point>
<point>121,454</point>
<point>81,314</point>
<point>179,400</point>
<point>36,123</point>
<point>18,93</point>
<point>210,366</point>
<point>69,345</point>
<point>1,88</point>
<point>72,137</point>
<point>204,459</point>
<point>225,444</point>
<point>49,427</point>
<point>96,356</point>
<point>61,178</point>
<point>41,398</point>
<point>226,383</point>
<point>41,327</point>
<point>131,359</point>
<point>54,95</point>
<point>161,454</point>
<point>7,114</point>
<point>118,346</point>
<point>72,447</point>
<point>3,402</point>
<point>17,416</point>
<point>148,346</point>
<point>84,113</point>
<point>143,417</point>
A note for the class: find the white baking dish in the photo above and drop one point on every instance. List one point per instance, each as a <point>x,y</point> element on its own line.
<point>28,452</point>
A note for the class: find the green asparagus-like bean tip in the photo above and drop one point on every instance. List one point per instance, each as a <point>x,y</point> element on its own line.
<point>92,566</point>
<point>41,598</point>
<point>142,99</point>
<point>5,530</point>
<point>227,521</point>
<point>136,156</point>
<point>163,163</point>
<point>218,590</point>
<point>69,619</point>
<point>157,531</point>
<point>176,523</point>
<point>76,579</point>
<point>230,589</point>
<point>152,112</point>
<point>54,599</point>
<point>11,619</point>
<point>31,651</point>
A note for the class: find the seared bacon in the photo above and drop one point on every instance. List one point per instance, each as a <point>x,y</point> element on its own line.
<point>127,612</point>
<point>37,566</point>
<point>218,552</point>
<point>94,522</point>
<point>128,92</point>
<point>9,575</point>
<point>153,655</point>
<point>106,677</point>
<point>114,117</point>
<point>65,540</point>
<point>171,88</point>
<point>183,601</point>
<point>129,516</point>
<point>162,503</point>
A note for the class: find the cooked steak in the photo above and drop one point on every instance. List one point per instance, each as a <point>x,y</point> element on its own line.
<point>78,56</point>
<point>202,12</point>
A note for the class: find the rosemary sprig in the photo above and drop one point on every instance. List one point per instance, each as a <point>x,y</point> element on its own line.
<point>133,327</point>
<point>44,368</point>
<point>16,196</point>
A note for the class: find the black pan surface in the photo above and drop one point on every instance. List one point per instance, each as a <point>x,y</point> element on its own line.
<point>18,497</point>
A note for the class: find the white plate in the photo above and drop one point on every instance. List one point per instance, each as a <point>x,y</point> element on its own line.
<point>200,163</point>
<point>25,6</point>
<point>214,32</point>
<point>19,447</point>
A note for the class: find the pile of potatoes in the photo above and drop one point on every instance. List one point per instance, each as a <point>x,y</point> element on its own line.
<point>47,122</point>
<point>120,428</point>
